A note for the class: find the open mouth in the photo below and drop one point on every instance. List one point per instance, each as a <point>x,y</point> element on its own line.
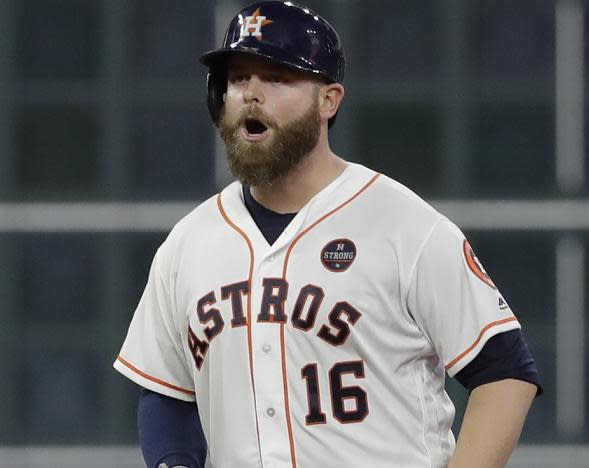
<point>255,127</point>
<point>254,131</point>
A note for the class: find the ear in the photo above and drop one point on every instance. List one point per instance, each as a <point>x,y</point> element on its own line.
<point>330,98</point>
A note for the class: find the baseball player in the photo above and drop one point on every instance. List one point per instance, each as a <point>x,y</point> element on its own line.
<point>307,314</point>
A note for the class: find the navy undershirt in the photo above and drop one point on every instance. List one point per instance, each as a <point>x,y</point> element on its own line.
<point>270,223</point>
<point>170,429</point>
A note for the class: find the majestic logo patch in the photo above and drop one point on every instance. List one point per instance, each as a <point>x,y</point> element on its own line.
<point>502,304</point>
<point>253,25</point>
<point>475,266</point>
<point>338,255</point>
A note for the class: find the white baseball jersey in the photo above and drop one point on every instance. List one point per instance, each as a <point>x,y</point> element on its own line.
<point>326,349</point>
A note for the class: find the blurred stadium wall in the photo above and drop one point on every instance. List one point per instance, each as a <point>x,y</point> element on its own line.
<point>478,105</point>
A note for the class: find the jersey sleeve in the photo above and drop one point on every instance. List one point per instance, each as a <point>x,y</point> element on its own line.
<point>454,302</point>
<point>152,354</point>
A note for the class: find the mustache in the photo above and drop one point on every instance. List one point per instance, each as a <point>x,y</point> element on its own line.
<point>253,112</point>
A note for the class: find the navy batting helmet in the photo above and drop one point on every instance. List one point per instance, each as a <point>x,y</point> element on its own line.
<point>283,32</point>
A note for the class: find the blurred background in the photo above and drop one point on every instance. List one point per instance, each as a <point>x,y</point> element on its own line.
<point>105,142</point>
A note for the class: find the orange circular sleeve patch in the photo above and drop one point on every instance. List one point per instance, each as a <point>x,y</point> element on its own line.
<point>475,265</point>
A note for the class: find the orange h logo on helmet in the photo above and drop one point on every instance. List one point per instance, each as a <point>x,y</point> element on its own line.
<point>253,25</point>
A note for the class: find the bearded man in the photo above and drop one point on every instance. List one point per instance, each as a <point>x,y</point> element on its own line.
<point>313,307</point>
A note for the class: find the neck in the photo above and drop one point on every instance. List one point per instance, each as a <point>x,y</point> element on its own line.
<point>293,191</point>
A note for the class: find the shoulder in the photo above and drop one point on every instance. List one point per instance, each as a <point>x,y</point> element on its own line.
<point>400,219</point>
<point>398,205</point>
<point>204,221</point>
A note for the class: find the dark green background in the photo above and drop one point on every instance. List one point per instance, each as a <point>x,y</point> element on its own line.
<point>105,101</point>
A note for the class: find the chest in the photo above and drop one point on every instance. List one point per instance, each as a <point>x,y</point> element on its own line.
<point>334,286</point>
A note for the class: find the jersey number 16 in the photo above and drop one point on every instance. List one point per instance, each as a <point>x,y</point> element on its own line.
<point>339,393</point>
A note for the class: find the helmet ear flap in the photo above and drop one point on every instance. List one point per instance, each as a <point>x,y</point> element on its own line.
<point>216,90</point>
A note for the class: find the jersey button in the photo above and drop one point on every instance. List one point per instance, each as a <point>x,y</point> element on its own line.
<point>270,412</point>
<point>266,348</point>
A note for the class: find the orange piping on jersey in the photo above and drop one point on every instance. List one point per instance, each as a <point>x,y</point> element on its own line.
<point>282,338</point>
<point>153,379</point>
<point>293,457</point>
<point>249,304</point>
<point>476,342</point>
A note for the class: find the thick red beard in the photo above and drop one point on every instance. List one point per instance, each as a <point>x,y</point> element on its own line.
<point>264,162</point>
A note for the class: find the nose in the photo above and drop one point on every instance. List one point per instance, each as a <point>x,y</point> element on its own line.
<point>253,92</point>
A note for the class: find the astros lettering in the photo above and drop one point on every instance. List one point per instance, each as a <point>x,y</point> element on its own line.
<point>275,292</point>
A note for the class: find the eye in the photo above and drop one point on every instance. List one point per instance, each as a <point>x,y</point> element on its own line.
<point>238,78</point>
<point>277,78</point>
